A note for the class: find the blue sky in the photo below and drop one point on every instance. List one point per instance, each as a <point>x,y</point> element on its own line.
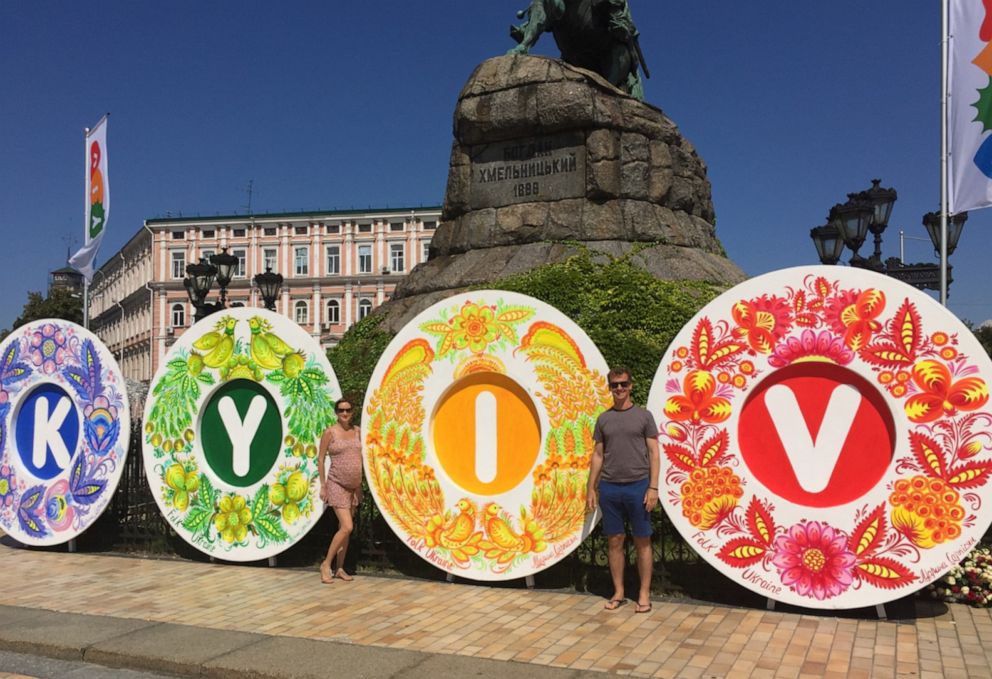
<point>338,105</point>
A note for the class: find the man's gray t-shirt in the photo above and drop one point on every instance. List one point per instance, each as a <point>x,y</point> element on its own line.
<point>625,451</point>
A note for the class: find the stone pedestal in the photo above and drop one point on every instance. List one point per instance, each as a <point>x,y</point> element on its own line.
<point>549,159</point>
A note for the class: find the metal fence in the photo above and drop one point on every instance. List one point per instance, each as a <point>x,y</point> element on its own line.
<point>133,523</point>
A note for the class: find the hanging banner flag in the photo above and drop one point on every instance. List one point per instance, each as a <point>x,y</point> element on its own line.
<point>97,198</point>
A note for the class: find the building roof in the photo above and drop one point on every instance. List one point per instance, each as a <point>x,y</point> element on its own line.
<point>291,215</point>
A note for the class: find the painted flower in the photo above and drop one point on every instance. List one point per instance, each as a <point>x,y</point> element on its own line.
<point>940,395</point>
<point>855,315</point>
<point>814,560</point>
<point>811,346</point>
<point>101,425</point>
<point>48,348</point>
<point>698,402</point>
<point>926,510</point>
<point>710,495</point>
<point>474,327</point>
<point>181,483</point>
<point>7,486</point>
<point>232,518</point>
<point>762,321</point>
<point>58,506</point>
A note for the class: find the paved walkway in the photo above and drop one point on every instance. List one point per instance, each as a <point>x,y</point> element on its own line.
<point>147,609</point>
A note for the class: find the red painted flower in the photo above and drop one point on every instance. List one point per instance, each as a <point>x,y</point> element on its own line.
<point>855,316</point>
<point>698,403</point>
<point>814,560</point>
<point>811,346</point>
<point>762,321</point>
<point>940,395</point>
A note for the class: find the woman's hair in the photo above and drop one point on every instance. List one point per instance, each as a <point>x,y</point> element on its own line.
<point>343,400</point>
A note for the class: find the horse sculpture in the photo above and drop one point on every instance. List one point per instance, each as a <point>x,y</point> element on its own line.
<point>598,35</point>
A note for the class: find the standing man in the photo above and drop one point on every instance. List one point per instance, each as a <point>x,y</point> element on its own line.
<point>623,478</point>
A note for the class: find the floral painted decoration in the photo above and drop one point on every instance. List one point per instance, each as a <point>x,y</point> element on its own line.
<point>930,506</point>
<point>55,510</point>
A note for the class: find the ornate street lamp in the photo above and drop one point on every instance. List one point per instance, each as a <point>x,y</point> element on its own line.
<point>828,241</point>
<point>199,279</point>
<point>955,224</point>
<point>269,284</point>
<point>850,222</point>
<point>225,264</point>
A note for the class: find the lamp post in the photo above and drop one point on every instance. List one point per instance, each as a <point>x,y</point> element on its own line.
<point>868,212</point>
<point>200,278</point>
<point>269,284</point>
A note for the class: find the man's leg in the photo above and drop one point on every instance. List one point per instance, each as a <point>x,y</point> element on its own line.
<point>645,559</point>
<point>615,557</point>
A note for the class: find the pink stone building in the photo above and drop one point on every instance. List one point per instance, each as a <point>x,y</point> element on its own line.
<point>337,266</point>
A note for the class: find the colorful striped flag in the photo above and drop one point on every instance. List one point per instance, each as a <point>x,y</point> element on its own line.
<point>97,198</point>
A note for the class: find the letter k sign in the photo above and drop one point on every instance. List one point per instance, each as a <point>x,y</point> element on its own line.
<point>813,462</point>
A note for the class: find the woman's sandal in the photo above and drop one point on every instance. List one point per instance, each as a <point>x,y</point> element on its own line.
<point>326,577</point>
<point>343,575</point>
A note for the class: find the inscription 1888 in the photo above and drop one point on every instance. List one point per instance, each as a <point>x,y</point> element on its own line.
<point>527,170</point>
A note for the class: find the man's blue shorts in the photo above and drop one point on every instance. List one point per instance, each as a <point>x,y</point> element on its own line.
<point>620,500</point>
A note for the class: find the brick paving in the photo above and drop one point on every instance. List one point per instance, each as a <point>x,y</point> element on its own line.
<point>677,639</point>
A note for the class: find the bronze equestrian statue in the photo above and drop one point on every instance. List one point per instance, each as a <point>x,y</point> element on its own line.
<point>598,35</point>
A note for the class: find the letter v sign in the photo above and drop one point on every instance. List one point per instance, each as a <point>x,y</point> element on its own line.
<point>813,462</point>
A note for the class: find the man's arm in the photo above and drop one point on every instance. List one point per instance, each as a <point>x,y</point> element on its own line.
<point>595,467</point>
<point>651,496</point>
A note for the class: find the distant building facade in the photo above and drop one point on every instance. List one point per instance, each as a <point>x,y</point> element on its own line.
<point>337,267</point>
<point>65,278</point>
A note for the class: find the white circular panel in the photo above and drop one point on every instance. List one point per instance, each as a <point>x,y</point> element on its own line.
<point>478,434</point>
<point>825,436</point>
<point>64,430</point>
<point>231,428</point>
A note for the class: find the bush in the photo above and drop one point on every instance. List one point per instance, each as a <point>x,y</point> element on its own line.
<point>970,582</point>
<point>630,316</point>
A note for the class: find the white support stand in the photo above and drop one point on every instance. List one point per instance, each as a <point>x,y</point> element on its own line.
<point>880,612</point>
<point>450,578</point>
<point>72,546</point>
<point>529,581</point>
<point>272,562</point>
<point>770,604</point>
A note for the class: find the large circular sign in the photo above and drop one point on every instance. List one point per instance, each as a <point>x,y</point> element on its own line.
<point>64,430</point>
<point>231,429</point>
<point>478,434</point>
<point>825,436</point>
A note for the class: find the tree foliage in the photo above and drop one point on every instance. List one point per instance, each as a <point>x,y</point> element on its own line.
<point>630,316</point>
<point>60,303</point>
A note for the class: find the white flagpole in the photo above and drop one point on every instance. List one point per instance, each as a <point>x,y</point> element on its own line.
<point>86,203</point>
<point>945,94</point>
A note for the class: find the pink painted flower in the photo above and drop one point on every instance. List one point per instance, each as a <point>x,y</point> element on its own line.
<point>48,348</point>
<point>811,346</point>
<point>6,486</point>
<point>814,560</point>
<point>58,506</point>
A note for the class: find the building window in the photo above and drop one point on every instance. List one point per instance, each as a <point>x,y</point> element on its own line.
<point>300,257</point>
<point>206,254</point>
<point>269,258</point>
<point>426,251</point>
<point>178,264</point>
<point>364,259</point>
<point>208,233</point>
<point>364,308</point>
<point>239,233</point>
<point>333,228</point>
<point>396,226</point>
<point>240,268</point>
<point>301,312</point>
<point>178,316</point>
<point>269,231</point>
<point>300,230</point>
<point>333,312</point>
<point>430,226</point>
<point>333,259</point>
<point>364,228</point>
<point>178,235</point>
<point>396,257</point>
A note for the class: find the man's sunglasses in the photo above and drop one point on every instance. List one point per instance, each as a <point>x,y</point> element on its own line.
<point>620,385</point>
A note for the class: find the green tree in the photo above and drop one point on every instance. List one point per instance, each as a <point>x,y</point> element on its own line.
<point>984,335</point>
<point>60,303</point>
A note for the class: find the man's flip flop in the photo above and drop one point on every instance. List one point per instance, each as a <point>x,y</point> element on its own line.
<point>643,608</point>
<point>614,604</point>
